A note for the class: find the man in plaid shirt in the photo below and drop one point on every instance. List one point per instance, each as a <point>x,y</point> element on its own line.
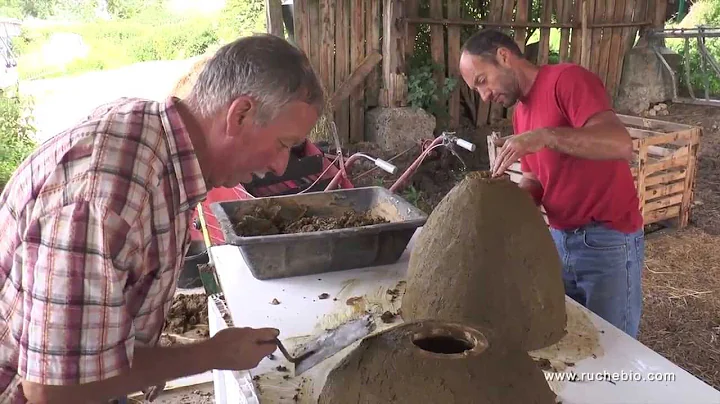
<point>96,226</point>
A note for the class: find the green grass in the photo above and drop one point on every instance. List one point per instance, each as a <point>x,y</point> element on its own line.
<point>113,44</point>
<point>153,34</point>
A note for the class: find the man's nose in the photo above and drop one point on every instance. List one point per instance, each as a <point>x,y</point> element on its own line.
<point>279,165</point>
<point>484,94</point>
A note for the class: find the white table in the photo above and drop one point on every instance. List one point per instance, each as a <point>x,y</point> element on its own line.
<point>300,314</point>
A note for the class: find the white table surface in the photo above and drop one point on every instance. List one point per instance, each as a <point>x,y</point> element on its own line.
<point>300,314</point>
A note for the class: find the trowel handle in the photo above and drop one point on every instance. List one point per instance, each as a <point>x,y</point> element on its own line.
<point>284,351</point>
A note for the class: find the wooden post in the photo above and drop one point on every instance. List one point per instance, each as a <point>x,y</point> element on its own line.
<point>326,67</point>
<point>301,22</point>
<point>660,13</point>
<point>394,92</point>
<point>437,42</point>
<point>373,45</point>
<point>412,9</point>
<point>453,49</point>
<point>342,65</point>
<point>585,48</point>
<point>357,53</point>
<point>641,174</point>
<point>274,18</point>
<point>690,178</point>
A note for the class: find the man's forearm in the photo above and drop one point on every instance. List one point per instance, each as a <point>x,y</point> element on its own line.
<point>533,187</point>
<point>151,366</point>
<point>597,142</point>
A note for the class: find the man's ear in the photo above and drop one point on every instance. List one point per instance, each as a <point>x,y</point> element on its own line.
<point>503,55</point>
<point>240,112</point>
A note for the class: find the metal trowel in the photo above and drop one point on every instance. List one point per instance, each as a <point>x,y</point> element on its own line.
<point>328,343</point>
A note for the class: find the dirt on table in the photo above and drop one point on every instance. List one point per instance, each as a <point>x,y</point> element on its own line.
<point>187,319</point>
<point>289,218</point>
<point>200,394</point>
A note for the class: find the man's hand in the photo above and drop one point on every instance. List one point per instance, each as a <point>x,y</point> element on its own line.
<point>515,146</point>
<point>151,393</point>
<point>229,349</point>
<point>242,348</point>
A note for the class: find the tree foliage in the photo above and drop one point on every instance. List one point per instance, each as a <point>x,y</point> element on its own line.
<point>16,131</point>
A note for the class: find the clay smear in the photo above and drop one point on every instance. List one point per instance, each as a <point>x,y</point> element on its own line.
<point>485,257</point>
<point>581,342</point>
<point>433,362</point>
<point>382,302</point>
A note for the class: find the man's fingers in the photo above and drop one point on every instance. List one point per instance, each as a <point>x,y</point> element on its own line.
<point>504,160</point>
<point>266,335</point>
<point>506,149</point>
<point>507,162</point>
<point>500,141</point>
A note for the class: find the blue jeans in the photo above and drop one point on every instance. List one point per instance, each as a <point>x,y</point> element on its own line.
<point>602,270</point>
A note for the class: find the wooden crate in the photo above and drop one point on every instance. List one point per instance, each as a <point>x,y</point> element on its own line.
<point>664,167</point>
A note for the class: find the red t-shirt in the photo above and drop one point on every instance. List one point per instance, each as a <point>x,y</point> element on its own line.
<point>576,191</point>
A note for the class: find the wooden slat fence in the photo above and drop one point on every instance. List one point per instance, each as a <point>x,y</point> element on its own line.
<point>596,38</point>
<point>342,37</point>
<point>337,36</point>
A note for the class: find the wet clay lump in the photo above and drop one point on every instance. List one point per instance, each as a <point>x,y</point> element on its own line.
<point>434,362</point>
<point>485,258</point>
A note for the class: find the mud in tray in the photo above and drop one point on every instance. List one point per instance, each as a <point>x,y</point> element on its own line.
<point>312,233</point>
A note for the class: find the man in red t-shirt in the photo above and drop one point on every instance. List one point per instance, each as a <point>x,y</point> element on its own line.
<point>574,153</point>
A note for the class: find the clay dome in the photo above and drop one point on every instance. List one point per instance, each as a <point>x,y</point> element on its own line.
<point>435,362</point>
<point>486,258</point>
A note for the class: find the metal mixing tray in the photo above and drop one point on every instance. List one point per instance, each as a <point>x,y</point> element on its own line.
<point>287,255</point>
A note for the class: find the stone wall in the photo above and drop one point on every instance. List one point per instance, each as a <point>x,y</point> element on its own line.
<point>645,80</point>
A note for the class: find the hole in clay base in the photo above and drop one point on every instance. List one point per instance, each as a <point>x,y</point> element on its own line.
<point>441,344</point>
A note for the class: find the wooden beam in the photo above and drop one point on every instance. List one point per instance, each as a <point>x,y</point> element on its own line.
<point>518,24</point>
<point>275,24</point>
<point>356,78</point>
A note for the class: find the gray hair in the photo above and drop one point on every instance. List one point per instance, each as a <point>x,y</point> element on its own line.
<point>264,67</point>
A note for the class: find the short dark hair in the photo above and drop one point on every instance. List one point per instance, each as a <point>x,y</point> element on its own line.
<point>486,43</point>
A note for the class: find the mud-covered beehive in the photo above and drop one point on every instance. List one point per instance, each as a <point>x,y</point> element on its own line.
<point>435,362</point>
<point>485,258</point>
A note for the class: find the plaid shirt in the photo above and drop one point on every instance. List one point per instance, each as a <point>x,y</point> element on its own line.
<point>95,228</point>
